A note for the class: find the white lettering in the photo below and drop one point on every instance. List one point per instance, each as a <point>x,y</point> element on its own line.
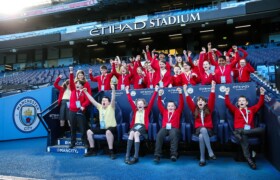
<point>171,20</point>
<point>136,27</point>
<point>194,17</point>
<point>126,26</point>
<point>152,23</point>
<point>163,22</point>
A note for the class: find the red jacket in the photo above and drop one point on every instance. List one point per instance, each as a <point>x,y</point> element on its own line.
<point>155,65</point>
<point>206,78</point>
<point>76,96</point>
<point>237,55</point>
<point>223,70</point>
<point>175,117</point>
<point>244,73</point>
<point>102,80</point>
<point>177,80</point>
<point>139,81</point>
<point>187,79</point>
<point>147,110</point>
<point>239,121</point>
<point>208,118</point>
<point>60,89</point>
<point>150,79</point>
<point>122,79</point>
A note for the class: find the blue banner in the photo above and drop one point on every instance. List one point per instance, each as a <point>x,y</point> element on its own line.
<point>19,114</point>
<point>236,90</point>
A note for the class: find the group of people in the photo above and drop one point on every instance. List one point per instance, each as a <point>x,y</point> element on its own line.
<point>155,73</point>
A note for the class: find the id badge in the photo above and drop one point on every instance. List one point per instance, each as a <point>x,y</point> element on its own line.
<point>68,104</point>
<point>160,84</point>
<point>122,87</point>
<point>140,81</point>
<point>151,87</point>
<point>223,79</point>
<point>168,126</point>
<point>102,124</point>
<point>247,127</point>
<point>137,127</point>
<point>78,104</point>
<point>102,88</point>
<point>114,80</point>
<point>212,69</point>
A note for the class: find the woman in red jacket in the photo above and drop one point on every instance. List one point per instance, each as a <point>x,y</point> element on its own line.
<point>244,71</point>
<point>244,122</point>
<point>80,75</point>
<point>139,124</point>
<point>203,121</point>
<point>63,102</point>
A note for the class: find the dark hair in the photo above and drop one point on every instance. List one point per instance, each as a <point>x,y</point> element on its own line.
<point>163,61</point>
<point>222,57</point>
<point>205,108</point>
<point>103,67</point>
<point>141,99</point>
<point>173,103</point>
<point>106,97</point>
<point>188,63</point>
<point>80,82</point>
<point>242,96</point>
<point>65,84</point>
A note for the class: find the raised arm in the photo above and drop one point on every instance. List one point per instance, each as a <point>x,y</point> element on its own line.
<point>245,54</point>
<point>189,99</point>
<point>230,106</point>
<point>212,96</point>
<point>159,102</point>
<point>129,98</point>
<point>151,103</point>
<point>56,83</point>
<point>181,100</point>
<point>90,98</point>
<point>71,79</point>
<point>260,102</point>
<point>92,78</point>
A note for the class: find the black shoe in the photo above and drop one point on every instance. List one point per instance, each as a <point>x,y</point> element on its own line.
<point>251,163</point>
<point>126,160</point>
<point>71,146</point>
<point>91,152</point>
<point>112,155</point>
<point>213,157</point>
<point>173,158</point>
<point>202,163</point>
<point>156,159</point>
<point>133,160</point>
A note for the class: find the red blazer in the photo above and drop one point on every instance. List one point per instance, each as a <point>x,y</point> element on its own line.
<point>244,73</point>
<point>136,77</point>
<point>155,65</point>
<point>207,119</point>
<point>175,118</point>
<point>76,96</point>
<point>223,71</point>
<point>239,121</point>
<point>150,79</point>
<point>187,79</point>
<point>176,80</point>
<point>60,89</point>
<point>122,79</point>
<point>102,80</point>
<point>237,55</point>
<point>147,110</point>
<point>206,78</point>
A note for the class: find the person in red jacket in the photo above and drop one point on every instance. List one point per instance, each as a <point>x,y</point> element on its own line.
<point>170,126</point>
<point>63,100</point>
<point>244,71</point>
<point>150,75</point>
<point>176,79</point>
<point>123,77</point>
<point>138,75</point>
<point>188,76</point>
<point>139,124</point>
<point>204,70</point>
<point>235,50</point>
<point>244,122</point>
<point>203,121</point>
<point>103,80</point>
<point>80,75</point>
<point>223,71</point>
<point>77,106</point>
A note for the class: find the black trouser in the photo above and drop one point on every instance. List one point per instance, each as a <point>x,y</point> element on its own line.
<point>74,120</point>
<point>174,135</point>
<point>244,142</point>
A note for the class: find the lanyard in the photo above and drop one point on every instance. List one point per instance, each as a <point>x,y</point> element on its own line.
<point>169,117</point>
<point>103,79</point>
<point>78,94</point>
<point>240,72</point>
<point>246,118</point>
<point>222,71</point>
<point>123,77</point>
<point>151,76</point>
<point>188,77</point>
<point>103,111</point>
<point>202,118</point>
